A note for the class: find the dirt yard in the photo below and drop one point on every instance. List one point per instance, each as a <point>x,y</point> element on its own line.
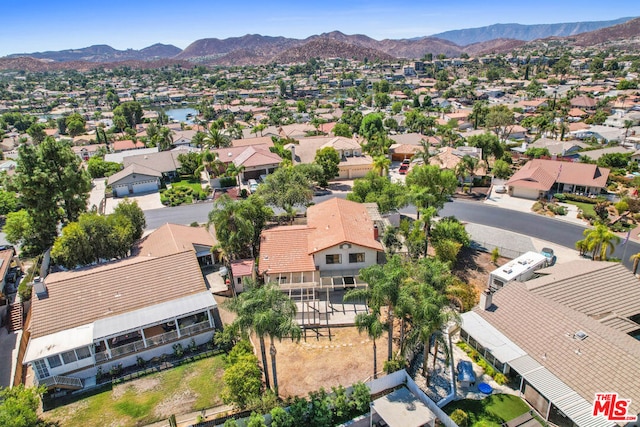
<point>345,359</point>
<point>474,267</point>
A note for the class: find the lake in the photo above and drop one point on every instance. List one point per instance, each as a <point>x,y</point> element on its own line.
<point>180,114</point>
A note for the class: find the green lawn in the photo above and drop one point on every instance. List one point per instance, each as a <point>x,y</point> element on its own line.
<point>190,183</point>
<point>586,208</point>
<point>189,387</point>
<point>490,411</point>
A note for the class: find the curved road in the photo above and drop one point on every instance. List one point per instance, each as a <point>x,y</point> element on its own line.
<point>552,230</point>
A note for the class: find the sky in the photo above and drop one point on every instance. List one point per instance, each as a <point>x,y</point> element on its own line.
<point>42,25</point>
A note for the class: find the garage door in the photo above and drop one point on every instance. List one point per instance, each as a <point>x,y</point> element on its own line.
<point>525,193</point>
<point>144,187</point>
<point>122,191</point>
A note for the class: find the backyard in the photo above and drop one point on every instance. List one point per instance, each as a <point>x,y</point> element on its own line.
<point>189,387</point>
<point>491,411</point>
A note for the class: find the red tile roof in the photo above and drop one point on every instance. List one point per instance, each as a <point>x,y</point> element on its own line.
<point>542,174</point>
<point>337,221</point>
<point>284,249</point>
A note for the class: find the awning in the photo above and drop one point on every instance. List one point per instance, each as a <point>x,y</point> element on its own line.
<point>563,397</point>
<point>59,342</point>
<point>402,409</point>
<point>152,315</point>
<point>501,347</point>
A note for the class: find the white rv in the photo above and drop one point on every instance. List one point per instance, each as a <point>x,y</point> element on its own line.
<point>520,269</point>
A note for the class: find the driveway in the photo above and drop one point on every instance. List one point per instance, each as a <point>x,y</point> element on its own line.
<point>146,202</point>
<point>96,194</point>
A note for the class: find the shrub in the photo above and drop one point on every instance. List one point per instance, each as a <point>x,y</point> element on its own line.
<point>495,254</point>
<point>141,362</point>
<point>537,207</point>
<point>561,197</point>
<point>178,351</point>
<point>393,365</point>
<point>622,206</point>
<point>227,181</point>
<point>500,378</point>
<point>460,417</point>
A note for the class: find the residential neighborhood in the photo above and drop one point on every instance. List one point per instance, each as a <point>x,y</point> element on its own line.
<point>331,241</point>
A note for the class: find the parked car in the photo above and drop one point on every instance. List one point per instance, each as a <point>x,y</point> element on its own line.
<point>501,189</point>
<point>253,185</point>
<point>404,167</point>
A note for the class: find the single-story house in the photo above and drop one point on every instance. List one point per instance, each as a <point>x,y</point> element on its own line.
<point>583,102</point>
<point>172,238</point>
<point>85,152</point>
<point>449,158</point>
<point>134,179</point>
<point>119,157</point>
<point>89,320</point>
<point>559,148</point>
<point>353,163</point>
<point>570,332</point>
<point>165,162</point>
<point>540,178</point>
<point>255,159</point>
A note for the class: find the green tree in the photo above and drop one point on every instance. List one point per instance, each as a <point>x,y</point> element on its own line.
<point>372,126</point>
<point>75,124</point>
<point>600,240</point>
<point>234,230</point>
<point>374,188</point>
<point>501,169</point>
<point>450,228</point>
<point>242,381</point>
<point>265,311</point>
<point>281,418</point>
<point>190,163</point>
<point>342,129</point>
<point>130,111</point>
<point>36,132</point>
<point>286,188</point>
<point>500,119</point>
<point>8,202</point>
<point>370,323</point>
<point>53,187</point>
<point>130,213</point>
<point>98,168</point>
<point>328,159</point>
<point>256,420</point>
<point>381,164</point>
<point>489,144</point>
<point>430,186</point>
<point>19,406</point>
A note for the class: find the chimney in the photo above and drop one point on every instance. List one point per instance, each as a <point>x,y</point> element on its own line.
<point>375,232</point>
<point>486,299</point>
<point>40,288</point>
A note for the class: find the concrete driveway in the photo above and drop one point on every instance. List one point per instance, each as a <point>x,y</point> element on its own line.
<point>146,202</point>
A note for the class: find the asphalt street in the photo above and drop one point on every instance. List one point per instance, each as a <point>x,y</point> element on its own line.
<point>551,230</point>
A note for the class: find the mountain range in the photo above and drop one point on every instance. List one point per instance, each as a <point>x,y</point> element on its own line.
<point>257,49</point>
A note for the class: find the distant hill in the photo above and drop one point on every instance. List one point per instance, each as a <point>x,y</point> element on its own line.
<point>40,65</point>
<point>493,46</point>
<point>523,32</point>
<point>325,47</point>
<point>105,53</point>
<point>261,46</point>
<point>626,30</point>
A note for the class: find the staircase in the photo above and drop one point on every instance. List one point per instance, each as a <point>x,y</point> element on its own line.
<point>59,381</point>
<point>15,316</point>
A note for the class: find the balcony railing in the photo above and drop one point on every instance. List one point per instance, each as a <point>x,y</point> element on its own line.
<point>154,341</point>
<point>162,338</point>
<point>186,331</point>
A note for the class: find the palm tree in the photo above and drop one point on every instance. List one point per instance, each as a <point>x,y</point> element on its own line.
<point>215,138</point>
<point>381,164</point>
<point>636,259</point>
<point>599,239</point>
<point>370,322</point>
<point>233,230</point>
<point>384,283</point>
<point>266,311</point>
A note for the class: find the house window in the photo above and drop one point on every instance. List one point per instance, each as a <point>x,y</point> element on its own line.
<point>69,357</point>
<point>333,259</point>
<point>359,257</point>
<point>41,369</point>
<point>54,361</point>
<point>83,353</point>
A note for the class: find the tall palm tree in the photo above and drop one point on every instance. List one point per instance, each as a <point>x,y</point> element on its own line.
<point>214,138</point>
<point>600,239</point>
<point>266,311</point>
<point>381,164</point>
<point>370,322</point>
<point>233,229</point>
<point>384,282</point>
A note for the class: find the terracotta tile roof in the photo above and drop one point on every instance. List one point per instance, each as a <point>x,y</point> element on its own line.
<point>405,149</point>
<point>242,267</point>
<point>244,142</point>
<point>126,145</point>
<point>342,143</point>
<point>133,169</point>
<point>337,221</point>
<point>583,102</point>
<point>284,249</point>
<point>606,360</point>
<point>173,238</point>
<point>542,174</point>
<point>252,157</point>
<point>573,127</point>
<point>83,296</point>
<point>229,154</point>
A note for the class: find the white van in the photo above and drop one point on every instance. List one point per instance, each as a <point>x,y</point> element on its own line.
<point>253,185</point>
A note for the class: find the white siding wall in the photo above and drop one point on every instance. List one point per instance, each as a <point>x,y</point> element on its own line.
<point>525,193</point>
<point>370,258</point>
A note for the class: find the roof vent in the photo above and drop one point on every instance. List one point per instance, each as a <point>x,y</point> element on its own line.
<point>580,335</point>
